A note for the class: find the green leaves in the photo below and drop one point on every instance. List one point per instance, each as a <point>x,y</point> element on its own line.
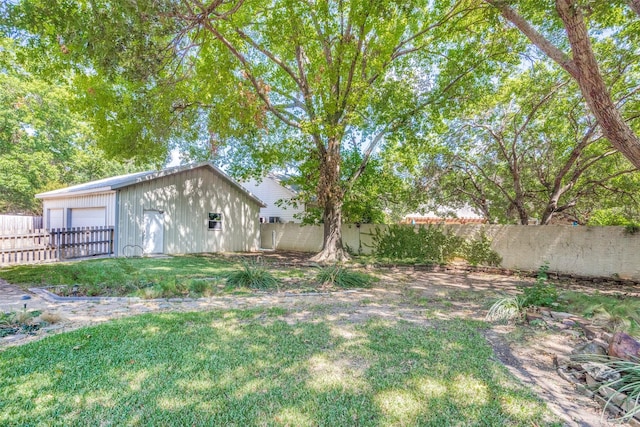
<point>44,142</point>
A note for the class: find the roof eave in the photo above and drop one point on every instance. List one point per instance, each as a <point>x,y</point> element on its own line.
<point>53,195</point>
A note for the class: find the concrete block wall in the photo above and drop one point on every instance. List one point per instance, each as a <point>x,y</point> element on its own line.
<point>584,251</point>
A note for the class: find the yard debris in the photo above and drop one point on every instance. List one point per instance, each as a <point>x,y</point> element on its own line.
<point>624,346</point>
<point>587,368</point>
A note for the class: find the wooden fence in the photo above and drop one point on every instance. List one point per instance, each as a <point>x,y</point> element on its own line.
<point>12,224</point>
<point>55,245</point>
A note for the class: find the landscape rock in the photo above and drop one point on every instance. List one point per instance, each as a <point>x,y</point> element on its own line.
<point>569,322</point>
<point>532,316</point>
<point>571,332</point>
<point>589,332</point>
<point>624,346</point>
<point>559,315</point>
<point>590,348</point>
<point>600,372</point>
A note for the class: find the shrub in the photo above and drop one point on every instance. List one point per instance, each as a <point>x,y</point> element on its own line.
<point>342,278</point>
<point>543,293</point>
<point>507,308</point>
<point>429,244</point>
<point>478,251</point>
<point>613,216</point>
<point>252,276</point>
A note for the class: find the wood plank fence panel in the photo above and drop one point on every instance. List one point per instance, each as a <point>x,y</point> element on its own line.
<point>56,244</point>
<point>18,224</point>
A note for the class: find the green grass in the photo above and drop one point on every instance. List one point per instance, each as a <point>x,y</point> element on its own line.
<point>248,368</point>
<point>147,277</point>
<point>178,276</point>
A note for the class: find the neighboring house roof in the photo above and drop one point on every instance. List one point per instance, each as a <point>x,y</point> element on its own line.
<point>284,181</point>
<point>465,215</point>
<point>121,181</point>
<point>440,220</point>
<point>274,179</point>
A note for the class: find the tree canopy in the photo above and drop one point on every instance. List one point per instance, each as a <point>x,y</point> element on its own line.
<point>354,95</point>
<point>263,84</point>
<point>44,143</point>
<point>529,150</point>
<point>597,44</point>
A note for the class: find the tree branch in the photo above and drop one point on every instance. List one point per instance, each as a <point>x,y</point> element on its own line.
<point>535,37</point>
<point>254,82</point>
<point>634,5</point>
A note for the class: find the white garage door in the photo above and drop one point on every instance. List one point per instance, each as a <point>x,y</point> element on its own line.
<point>56,219</point>
<point>89,217</point>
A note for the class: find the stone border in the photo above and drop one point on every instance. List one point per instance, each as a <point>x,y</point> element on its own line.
<point>51,297</point>
<point>605,403</point>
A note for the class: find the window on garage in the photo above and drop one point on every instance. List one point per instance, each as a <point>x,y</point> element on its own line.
<point>215,221</point>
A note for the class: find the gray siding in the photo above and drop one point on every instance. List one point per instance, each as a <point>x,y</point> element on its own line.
<point>105,199</point>
<point>186,198</point>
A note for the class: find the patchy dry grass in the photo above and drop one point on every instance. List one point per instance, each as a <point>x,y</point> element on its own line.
<point>249,367</point>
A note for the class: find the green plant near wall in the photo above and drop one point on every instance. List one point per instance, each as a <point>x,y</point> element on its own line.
<point>478,251</point>
<point>432,244</point>
<point>543,293</point>
<point>422,244</point>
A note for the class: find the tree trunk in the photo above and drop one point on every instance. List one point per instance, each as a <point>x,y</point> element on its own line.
<point>583,67</point>
<point>523,215</point>
<point>330,197</point>
<point>549,210</point>
<point>332,250</point>
<point>634,5</point>
<point>593,88</point>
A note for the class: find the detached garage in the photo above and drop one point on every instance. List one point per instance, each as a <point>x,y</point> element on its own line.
<point>187,209</point>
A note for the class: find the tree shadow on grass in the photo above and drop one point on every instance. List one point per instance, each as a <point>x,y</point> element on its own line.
<point>249,368</point>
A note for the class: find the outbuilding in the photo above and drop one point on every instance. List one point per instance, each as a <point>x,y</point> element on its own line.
<point>193,208</point>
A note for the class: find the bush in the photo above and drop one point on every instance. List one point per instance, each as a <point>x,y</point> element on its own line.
<point>430,244</point>
<point>507,308</point>
<point>478,251</point>
<point>614,216</point>
<point>543,293</point>
<point>342,278</point>
<point>252,276</point>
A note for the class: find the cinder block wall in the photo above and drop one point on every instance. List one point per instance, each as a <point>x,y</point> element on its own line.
<point>585,251</point>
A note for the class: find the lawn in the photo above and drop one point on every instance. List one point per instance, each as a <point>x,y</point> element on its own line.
<point>176,276</point>
<point>145,277</point>
<point>252,367</point>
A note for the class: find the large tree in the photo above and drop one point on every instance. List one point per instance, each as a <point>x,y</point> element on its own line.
<point>531,149</point>
<point>588,40</point>
<point>265,83</point>
<point>44,143</point>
